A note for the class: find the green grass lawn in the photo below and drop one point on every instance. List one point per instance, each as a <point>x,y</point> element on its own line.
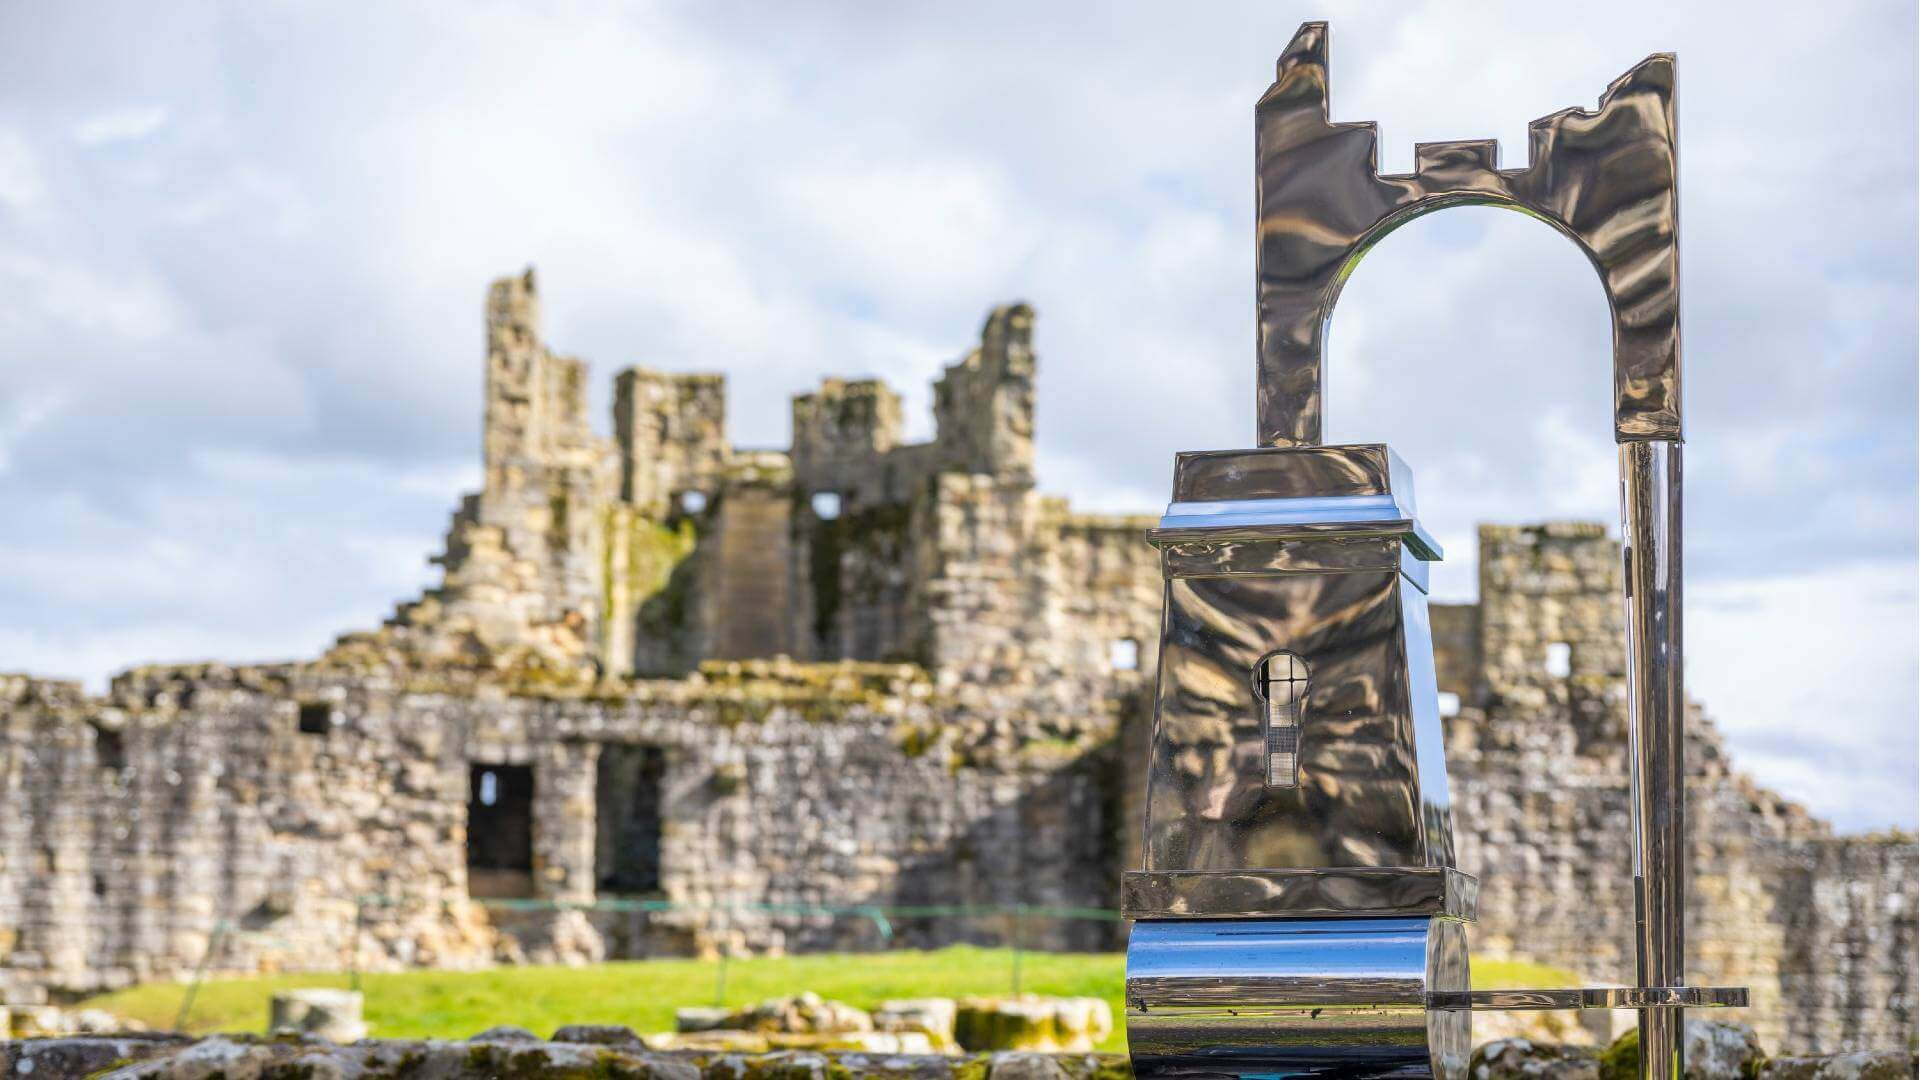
<point>643,994</point>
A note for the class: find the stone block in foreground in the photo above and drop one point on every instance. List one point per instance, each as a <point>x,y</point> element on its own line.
<point>333,1015</point>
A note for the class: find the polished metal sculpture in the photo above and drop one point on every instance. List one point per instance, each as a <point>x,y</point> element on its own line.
<point>1299,912</point>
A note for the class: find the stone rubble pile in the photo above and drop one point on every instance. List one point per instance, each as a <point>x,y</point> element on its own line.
<point>30,1021</point>
<point>909,1026</point>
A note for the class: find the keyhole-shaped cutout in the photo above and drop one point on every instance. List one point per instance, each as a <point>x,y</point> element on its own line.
<point>1280,692</point>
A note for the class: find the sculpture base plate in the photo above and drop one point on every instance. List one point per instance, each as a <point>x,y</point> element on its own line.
<point>1593,997</point>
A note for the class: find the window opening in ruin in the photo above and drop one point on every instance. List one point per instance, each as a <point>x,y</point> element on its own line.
<point>1449,703</point>
<point>316,718</point>
<point>500,831</point>
<point>1124,655</point>
<point>826,505</point>
<point>627,817</point>
<point>109,748</point>
<point>1280,691</point>
<point>1559,659</point>
<point>693,502</point>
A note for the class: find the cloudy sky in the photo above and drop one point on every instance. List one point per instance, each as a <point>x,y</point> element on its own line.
<point>243,250</point>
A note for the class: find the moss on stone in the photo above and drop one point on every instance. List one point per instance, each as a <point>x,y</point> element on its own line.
<point>914,740</point>
<point>973,1068</point>
<point>1621,1059</point>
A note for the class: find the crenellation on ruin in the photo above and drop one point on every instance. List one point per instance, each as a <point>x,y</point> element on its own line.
<point>857,672</point>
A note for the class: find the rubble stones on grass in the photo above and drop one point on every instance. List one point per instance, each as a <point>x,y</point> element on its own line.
<point>1864,1065</point>
<point>905,1026</point>
<point>801,1014</point>
<point>700,1018</point>
<point>807,1021</point>
<point>1524,1059</point>
<point>330,1014</point>
<point>720,1040</point>
<point>504,1033</point>
<point>600,1035</point>
<point>30,1020</point>
<point>1031,1022</point>
<point>932,1017</point>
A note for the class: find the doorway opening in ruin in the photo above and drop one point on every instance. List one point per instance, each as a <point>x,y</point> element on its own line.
<point>626,852</point>
<point>500,831</point>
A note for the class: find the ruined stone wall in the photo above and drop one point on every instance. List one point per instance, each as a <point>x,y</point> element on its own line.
<point>749,575</point>
<point>1821,928</point>
<point>671,431</point>
<point>192,808</point>
<point>943,553</point>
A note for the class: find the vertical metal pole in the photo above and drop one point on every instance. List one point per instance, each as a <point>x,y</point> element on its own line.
<point>1650,530</point>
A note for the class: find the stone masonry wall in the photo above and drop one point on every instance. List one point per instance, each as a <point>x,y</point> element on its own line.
<point>1820,927</point>
<point>192,798</point>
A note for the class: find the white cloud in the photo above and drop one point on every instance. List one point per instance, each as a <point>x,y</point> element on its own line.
<point>1811,675</point>
<point>120,125</point>
<point>21,184</point>
<point>18,419</point>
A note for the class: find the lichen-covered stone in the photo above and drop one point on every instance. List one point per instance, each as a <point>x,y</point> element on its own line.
<point>80,1055</point>
<point>600,1035</point>
<point>1714,1049</point>
<point>1024,1065</point>
<point>1525,1059</point>
<point>503,1033</point>
<point>931,1017</point>
<point>1032,1022</point>
<point>321,1012</point>
<point>1861,1065</point>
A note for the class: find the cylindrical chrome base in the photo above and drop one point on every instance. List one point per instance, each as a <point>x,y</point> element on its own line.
<point>1296,997</point>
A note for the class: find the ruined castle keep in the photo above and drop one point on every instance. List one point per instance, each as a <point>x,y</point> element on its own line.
<point>753,684</point>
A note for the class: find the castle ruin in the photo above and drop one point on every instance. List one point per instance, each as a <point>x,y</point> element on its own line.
<point>737,687</point>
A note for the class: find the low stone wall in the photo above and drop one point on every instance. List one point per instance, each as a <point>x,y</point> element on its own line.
<point>509,1055</point>
<point>603,1053</point>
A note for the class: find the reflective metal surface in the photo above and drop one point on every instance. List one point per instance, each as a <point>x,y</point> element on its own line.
<point>1650,531</point>
<point>1350,891</point>
<point>1605,997</point>
<point>1315,576</point>
<point>1606,178</point>
<point>1296,997</point>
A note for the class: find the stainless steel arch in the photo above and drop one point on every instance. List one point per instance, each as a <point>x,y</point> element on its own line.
<point>1607,179</point>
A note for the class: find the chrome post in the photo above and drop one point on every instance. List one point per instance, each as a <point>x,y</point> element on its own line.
<point>1650,532</point>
